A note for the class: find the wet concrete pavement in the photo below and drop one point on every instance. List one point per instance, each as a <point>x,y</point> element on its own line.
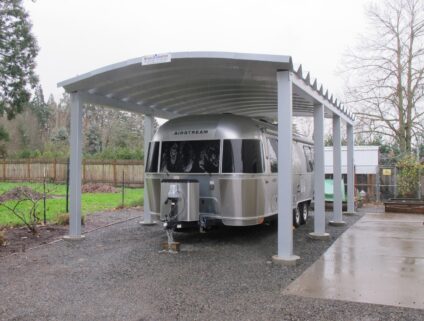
<point>379,260</point>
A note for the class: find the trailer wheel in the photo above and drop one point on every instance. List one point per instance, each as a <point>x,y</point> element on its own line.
<point>304,211</point>
<point>296,217</point>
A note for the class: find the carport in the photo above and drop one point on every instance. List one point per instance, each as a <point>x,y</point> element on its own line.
<point>255,85</point>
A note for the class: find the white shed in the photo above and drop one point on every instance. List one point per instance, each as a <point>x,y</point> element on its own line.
<point>365,160</point>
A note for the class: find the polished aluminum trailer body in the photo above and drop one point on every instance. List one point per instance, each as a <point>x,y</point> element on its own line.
<point>234,159</point>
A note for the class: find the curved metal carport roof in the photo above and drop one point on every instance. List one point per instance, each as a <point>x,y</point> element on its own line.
<point>201,82</point>
<point>255,85</point>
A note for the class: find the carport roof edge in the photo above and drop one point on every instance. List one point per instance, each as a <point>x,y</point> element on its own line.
<point>201,83</point>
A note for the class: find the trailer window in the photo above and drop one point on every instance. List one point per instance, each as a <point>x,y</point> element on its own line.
<point>309,157</point>
<point>273,154</point>
<point>152,157</point>
<point>242,156</point>
<point>197,156</point>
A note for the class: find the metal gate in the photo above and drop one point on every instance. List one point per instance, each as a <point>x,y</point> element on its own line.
<point>388,180</point>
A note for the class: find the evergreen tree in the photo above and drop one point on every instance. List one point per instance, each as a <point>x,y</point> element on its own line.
<point>4,137</point>
<point>42,111</point>
<point>18,49</point>
<point>61,136</point>
<point>94,143</point>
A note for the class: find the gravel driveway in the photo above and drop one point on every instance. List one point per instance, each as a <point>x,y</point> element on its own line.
<point>117,273</point>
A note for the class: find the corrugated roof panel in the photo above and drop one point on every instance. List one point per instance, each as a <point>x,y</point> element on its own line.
<point>201,83</point>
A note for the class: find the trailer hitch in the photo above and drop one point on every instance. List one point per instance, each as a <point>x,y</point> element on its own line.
<point>171,219</point>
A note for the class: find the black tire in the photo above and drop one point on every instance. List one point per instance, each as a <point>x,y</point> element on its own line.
<point>296,217</point>
<point>304,212</point>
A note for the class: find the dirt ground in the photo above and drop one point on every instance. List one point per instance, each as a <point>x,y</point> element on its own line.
<point>98,188</point>
<point>20,239</point>
<point>22,193</point>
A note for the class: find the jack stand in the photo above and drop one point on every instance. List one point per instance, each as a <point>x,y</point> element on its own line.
<point>170,246</point>
<point>174,197</point>
<point>203,228</point>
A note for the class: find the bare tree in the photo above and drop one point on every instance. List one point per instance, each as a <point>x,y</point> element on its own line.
<point>24,207</point>
<point>386,73</point>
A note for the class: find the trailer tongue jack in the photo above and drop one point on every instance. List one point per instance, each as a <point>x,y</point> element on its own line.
<point>174,197</point>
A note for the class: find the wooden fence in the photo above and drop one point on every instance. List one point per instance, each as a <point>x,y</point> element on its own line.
<point>93,171</point>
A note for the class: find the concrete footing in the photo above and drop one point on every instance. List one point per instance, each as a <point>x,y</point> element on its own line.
<point>148,223</point>
<point>285,260</point>
<point>74,237</point>
<point>319,236</point>
<point>350,213</point>
<point>337,223</point>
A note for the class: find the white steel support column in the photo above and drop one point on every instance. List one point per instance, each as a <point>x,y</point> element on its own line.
<point>285,195</point>
<point>75,169</point>
<point>350,170</point>
<point>319,175</point>
<point>148,135</point>
<point>337,173</point>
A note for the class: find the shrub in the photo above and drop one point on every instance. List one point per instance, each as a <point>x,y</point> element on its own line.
<point>63,219</point>
<point>409,175</point>
<point>22,202</point>
<point>26,153</point>
<point>117,153</point>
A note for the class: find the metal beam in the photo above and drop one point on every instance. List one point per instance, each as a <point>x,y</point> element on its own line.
<point>319,175</point>
<point>308,93</point>
<point>75,168</point>
<point>350,170</point>
<point>337,173</point>
<point>148,135</point>
<point>285,198</point>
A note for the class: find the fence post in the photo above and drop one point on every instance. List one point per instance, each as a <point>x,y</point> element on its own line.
<point>114,173</point>
<point>123,188</point>
<point>44,197</point>
<point>67,186</point>
<point>83,170</point>
<point>29,169</point>
<point>395,182</point>
<point>377,185</point>
<point>4,169</point>
<point>54,170</point>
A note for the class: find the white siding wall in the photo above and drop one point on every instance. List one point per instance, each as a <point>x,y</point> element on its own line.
<point>365,159</point>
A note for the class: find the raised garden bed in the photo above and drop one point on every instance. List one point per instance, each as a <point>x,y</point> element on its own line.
<point>410,206</point>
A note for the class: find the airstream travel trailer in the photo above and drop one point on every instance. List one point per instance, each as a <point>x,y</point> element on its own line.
<point>210,169</point>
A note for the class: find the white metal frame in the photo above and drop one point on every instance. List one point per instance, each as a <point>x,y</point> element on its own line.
<point>75,171</point>
<point>148,135</point>
<point>293,91</point>
<point>337,173</point>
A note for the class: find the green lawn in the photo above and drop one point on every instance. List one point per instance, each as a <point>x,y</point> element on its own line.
<point>91,202</point>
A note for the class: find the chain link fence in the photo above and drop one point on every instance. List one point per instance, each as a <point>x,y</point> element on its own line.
<point>384,185</point>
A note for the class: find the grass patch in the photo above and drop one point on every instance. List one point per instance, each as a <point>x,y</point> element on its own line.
<point>56,206</point>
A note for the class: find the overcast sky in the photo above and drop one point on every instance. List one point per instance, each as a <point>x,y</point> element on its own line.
<point>77,36</point>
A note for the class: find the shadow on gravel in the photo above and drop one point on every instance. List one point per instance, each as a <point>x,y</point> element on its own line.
<point>224,234</point>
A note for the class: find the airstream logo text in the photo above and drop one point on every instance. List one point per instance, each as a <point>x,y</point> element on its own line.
<point>191,132</point>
